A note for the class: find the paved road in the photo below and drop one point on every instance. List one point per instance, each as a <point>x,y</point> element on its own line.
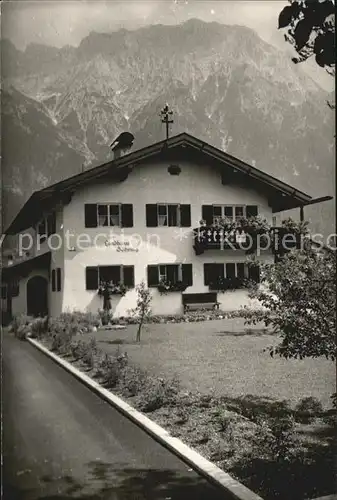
<point>60,441</point>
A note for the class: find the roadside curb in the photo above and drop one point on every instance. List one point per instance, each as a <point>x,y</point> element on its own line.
<point>197,462</point>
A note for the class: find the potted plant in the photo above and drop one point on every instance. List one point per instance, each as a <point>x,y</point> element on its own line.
<point>166,286</point>
<point>250,226</point>
<point>179,286</point>
<point>289,228</point>
<point>163,286</point>
<point>106,289</point>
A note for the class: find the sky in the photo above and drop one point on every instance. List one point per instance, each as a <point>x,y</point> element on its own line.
<point>68,22</point>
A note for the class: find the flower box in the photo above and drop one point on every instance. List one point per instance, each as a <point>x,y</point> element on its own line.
<point>166,287</point>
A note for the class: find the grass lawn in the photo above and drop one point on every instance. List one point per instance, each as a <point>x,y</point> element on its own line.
<point>221,357</point>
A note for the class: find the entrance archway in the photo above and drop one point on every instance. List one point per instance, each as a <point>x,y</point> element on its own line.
<point>37,296</point>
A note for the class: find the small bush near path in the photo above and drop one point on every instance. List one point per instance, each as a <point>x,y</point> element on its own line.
<point>24,326</point>
<point>156,393</point>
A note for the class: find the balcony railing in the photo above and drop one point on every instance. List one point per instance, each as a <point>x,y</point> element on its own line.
<point>278,239</point>
<point>215,238</point>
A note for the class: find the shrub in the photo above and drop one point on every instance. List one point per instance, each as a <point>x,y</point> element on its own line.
<point>142,311</point>
<point>157,393</point>
<point>133,380</point>
<point>61,341</point>
<point>21,326</point>
<point>112,372</point>
<point>39,327</point>
<point>308,409</point>
<point>297,299</point>
<point>76,322</point>
<point>275,440</point>
<point>89,353</point>
<point>111,368</point>
<point>223,418</point>
<point>78,349</point>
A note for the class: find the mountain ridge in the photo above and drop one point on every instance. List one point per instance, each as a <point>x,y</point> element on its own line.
<point>226,86</point>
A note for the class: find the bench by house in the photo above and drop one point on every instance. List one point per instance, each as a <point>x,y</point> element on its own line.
<point>198,300</point>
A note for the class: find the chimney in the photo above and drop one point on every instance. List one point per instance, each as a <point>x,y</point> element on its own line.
<point>122,145</point>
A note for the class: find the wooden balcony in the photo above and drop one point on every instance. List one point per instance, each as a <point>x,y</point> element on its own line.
<point>279,240</point>
<point>215,238</point>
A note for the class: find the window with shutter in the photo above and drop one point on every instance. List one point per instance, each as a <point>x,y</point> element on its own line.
<point>172,211</point>
<point>58,279</point>
<point>240,266</point>
<point>187,274</point>
<point>172,273</point>
<point>254,273</point>
<point>239,212</point>
<point>91,278</point>
<point>127,215</point>
<point>207,214</point>
<point>162,215</point>
<point>128,276</point>
<point>114,212</point>
<point>90,215</point>
<point>151,215</point>
<point>103,215</point>
<point>152,276</point>
<point>53,280</point>
<point>212,272</point>
<point>230,270</point>
<point>228,213</point>
<point>251,211</point>
<point>185,215</point>
<point>110,273</point>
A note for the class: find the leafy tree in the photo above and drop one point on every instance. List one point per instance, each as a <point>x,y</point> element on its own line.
<point>298,300</point>
<point>311,30</point>
<point>142,311</point>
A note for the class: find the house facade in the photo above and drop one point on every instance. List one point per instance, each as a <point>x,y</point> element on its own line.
<point>146,216</point>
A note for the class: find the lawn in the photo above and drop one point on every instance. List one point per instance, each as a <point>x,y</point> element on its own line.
<point>228,416</point>
<point>222,357</point>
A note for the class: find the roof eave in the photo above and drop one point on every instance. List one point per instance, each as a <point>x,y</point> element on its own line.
<point>140,155</point>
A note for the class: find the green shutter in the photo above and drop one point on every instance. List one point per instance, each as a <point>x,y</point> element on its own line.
<point>151,215</point>
<point>128,276</point>
<point>90,215</point>
<point>152,276</point>
<point>254,273</point>
<point>251,211</point>
<point>241,270</point>
<point>185,215</point>
<point>127,215</point>
<point>187,274</point>
<point>91,278</point>
<point>53,280</point>
<point>58,279</point>
<point>207,274</point>
<point>207,214</point>
<point>230,270</point>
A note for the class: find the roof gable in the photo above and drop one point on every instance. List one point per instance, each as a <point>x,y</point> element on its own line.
<point>282,195</point>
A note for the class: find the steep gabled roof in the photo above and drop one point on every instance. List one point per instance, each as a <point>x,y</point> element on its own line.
<point>282,195</point>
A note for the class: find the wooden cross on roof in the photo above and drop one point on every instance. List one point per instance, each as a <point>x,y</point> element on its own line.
<point>165,114</point>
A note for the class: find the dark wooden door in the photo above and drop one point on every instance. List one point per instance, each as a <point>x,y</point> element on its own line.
<point>37,296</point>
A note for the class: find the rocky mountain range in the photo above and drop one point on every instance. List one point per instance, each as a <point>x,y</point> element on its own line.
<point>61,108</point>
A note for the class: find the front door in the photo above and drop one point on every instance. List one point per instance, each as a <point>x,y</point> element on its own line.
<point>37,296</point>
